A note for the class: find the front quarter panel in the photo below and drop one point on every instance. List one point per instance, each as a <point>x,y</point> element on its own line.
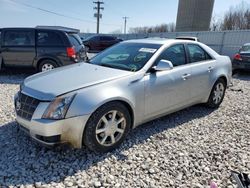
<point>129,90</point>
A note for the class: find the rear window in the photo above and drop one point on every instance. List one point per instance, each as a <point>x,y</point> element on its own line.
<point>245,48</point>
<point>196,53</point>
<point>19,38</point>
<point>75,39</point>
<point>49,38</point>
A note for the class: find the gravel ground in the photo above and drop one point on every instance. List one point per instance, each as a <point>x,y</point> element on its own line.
<point>189,148</point>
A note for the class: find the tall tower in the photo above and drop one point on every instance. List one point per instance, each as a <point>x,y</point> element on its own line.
<point>194,15</point>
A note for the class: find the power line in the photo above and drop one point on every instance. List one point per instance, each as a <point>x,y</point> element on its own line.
<point>98,15</point>
<point>51,12</point>
<point>57,13</point>
<point>125,23</point>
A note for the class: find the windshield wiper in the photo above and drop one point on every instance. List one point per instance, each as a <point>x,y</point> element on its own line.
<point>108,65</point>
<point>115,66</point>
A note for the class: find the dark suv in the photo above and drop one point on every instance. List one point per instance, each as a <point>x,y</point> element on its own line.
<point>41,48</point>
<point>98,43</point>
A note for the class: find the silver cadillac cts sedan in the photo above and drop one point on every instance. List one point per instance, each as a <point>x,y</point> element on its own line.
<point>96,103</point>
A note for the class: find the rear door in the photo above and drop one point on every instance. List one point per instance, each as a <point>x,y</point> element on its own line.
<point>202,65</point>
<point>107,41</point>
<point>50,44</point>
<point>18,47</point>
<point>95,43</point>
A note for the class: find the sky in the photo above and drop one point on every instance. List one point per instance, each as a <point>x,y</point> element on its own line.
<point>80,13</point>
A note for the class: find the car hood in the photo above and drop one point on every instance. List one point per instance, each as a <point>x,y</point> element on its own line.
<point>46,86</point>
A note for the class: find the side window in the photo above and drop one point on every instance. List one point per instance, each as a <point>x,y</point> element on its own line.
<point>94,39</point>
<point>175,54</point>
<point>103,38</point>
<point>19,38</point>
<point>48,38</point>
<point>196,53</point>
<point>110,38</point>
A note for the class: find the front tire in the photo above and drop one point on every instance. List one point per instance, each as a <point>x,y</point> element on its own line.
<point>217,94</point>
<point>107,127</point>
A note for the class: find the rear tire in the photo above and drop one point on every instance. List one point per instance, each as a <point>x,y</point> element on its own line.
<point>217,94</point>
<point>107,127</point>
<point>46,65</point>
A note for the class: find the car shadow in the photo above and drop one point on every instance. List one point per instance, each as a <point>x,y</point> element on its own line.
<point>14,76</point>
<point>242,75</point>
<point>24,162</point>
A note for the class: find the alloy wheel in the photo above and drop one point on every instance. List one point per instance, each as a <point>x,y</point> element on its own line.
<point>47,67</point>
<point>218,93</point>
<point>110,128</point>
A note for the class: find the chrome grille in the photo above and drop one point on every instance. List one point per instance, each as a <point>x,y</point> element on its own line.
<point>26,106</point>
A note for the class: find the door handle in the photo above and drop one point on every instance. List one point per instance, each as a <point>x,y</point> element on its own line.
<point>210,69</point>
<point>185,76</point>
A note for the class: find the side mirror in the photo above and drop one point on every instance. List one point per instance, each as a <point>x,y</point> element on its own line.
<point>163,65</point>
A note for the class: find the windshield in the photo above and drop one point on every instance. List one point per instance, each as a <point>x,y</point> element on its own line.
<point>126,56</point>
<point>245,48</point>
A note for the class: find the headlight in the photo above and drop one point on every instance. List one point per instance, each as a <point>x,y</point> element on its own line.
<point>58,108</point>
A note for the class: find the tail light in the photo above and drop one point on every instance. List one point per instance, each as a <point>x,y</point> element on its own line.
<point>237,57</point>
<point>71,52</point>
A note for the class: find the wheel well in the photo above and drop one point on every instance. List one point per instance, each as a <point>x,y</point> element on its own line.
<point>224,79</point>
<point>43,59</point>
<point>127,105</point>
<point>130,110</point>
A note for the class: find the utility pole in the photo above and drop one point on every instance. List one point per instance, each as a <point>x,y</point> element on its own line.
<point>98,15</point>
<point>125,23</point>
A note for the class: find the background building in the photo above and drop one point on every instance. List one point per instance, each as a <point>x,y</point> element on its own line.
<point>194,15</point>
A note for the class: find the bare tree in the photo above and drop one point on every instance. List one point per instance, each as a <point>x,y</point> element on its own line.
<point>215,24</point>
<point>153,29</point>
<point>118,31</point>
<point>237,18</point>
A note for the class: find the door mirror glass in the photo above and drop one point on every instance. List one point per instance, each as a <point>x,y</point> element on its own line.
<point>163,65</point>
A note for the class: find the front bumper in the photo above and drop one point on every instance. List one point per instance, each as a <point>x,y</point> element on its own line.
<point>54,132</point>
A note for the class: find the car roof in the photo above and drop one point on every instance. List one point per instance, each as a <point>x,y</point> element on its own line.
<point>247,44</point>
<point>150,40</point>
<point>41,28</point>
<point>160,41</point>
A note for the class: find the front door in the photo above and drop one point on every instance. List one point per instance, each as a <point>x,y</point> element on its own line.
<point>168,90</point>
<point>18,47</point>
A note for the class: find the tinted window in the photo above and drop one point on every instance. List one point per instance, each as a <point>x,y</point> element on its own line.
<point>126,56</point>
<point>19,38</point>
<point>197,54</point>
<point>103,38</point>
<point>175,54</point>
<point>74,40</point>
<point>49,38</point>
<point>95,38</point>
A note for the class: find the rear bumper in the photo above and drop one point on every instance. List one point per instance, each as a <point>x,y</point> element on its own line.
<point>55,132</point>
<point>240,65</point>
